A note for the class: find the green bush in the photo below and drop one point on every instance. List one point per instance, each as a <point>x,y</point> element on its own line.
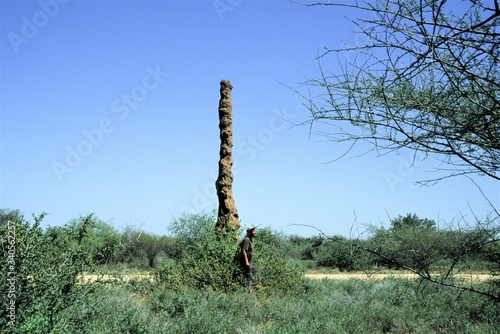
<point>43,280</point>
<point>100,240</point>
<point>209,263</point>
<point>143,251</point>
<point>208,259</point>
<point>491,255</point>
<point>343,254</point>
<point>416,243</point>
<point>276,275</point>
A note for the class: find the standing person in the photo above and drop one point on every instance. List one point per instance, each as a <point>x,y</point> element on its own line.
<point>246,249</point>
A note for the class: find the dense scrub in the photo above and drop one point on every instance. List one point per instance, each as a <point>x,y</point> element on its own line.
<point>197,286</point>
<point>354,306</point>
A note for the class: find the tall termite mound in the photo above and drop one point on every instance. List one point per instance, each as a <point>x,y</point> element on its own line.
<point>227,215</point>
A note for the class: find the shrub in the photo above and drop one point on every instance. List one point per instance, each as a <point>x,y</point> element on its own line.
<point>313,246</point>
<point>209,259</point>
<point>43,280</point>
<point>339,252</point>
<point>100,240</point>
<point>209,263</point>
<point>206,258</point>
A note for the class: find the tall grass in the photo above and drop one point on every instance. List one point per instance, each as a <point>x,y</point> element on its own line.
<point>353,306</point>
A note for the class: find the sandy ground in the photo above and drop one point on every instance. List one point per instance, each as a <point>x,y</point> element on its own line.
<point>92,278</point>
<point>367,276</point>
<point>318,276</point>
<point>344,276</point>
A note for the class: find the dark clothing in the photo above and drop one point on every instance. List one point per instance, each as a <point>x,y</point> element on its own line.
<point>249,272</point>
<point>247,246</point>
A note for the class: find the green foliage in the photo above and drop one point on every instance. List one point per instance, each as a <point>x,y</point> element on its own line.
<point>277,269</point>
<point>411,221</point>
<point>406,87</point>
<point>110,309</point>
<point>200,288</point>
<point>408,246</point>
<point>131,253</point>
<point>343,254</point>
<point>491,255</point>
<point>311,247</point>
<point>141,249</point>
<point>275,275</point>
<point>209,263</point>
<point>353,306</point>
<point>189,227</point>
<point>416,243</point>
<point>208,260</point>
<point>100,240</point>
<point>43,279</point>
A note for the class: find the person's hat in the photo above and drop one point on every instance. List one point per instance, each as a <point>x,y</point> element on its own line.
<point>249,228</point>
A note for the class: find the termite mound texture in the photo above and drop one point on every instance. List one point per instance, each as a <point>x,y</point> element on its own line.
<point>227,215</point>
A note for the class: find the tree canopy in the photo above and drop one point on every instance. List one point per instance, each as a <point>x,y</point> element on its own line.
<point>426,77</point>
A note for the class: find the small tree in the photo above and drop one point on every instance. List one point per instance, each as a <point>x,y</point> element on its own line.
<point>139,246</point>
<point>207,257</point>
<point>40,282</point>
<point>101,241</point>
<point>152,245</point>
<point>438,256</point>
<point>412,221</point>
<point>426,78</point>
<point>342,254</point>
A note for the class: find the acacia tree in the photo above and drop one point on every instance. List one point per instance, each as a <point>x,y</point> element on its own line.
<point>425,78</point>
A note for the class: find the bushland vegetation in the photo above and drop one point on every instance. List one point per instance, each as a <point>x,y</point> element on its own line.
<point>190,281</point>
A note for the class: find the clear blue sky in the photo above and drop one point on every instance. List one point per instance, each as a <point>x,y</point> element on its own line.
<point>110,107</point>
